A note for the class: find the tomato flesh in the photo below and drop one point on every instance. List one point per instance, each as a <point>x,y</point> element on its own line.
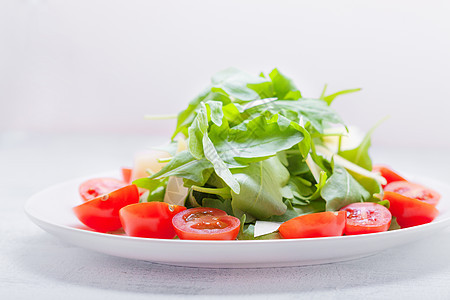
<point>366,217</point>
<point>389,174</point>
<point>409,211</point>
<point>96,187</point>
<point>149,219</point>
<point>102,213</point>
<point>204,223</point>
<point>414,190</point>
<point>314,225</point>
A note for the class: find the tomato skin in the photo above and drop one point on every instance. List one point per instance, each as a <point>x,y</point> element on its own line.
<point>409,211</point>
<point>96,187</point>
<point>366,217</point>
<point>389,174</point>
<point>414,190</point>
<point>204,223</point>
<point>150,219</point>
<point>102,213</point>
<point>314,225</point>
<point>126,175</point>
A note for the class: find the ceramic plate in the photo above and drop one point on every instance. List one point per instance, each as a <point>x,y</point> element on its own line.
<point>51,209</point>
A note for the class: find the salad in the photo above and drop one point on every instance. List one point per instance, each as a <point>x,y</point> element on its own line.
<point>251,158</point>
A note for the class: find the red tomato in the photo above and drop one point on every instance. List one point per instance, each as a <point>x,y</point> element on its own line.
<point>366,217</point>
<point>414,190</point>
<point>149,219</point>
<point>314,225</point>
<point>410,211</point>
<point>102,213</point>
<point>388,174</point>
<point>204,223</point>
<point>126,175</point>
<point>95,187</point>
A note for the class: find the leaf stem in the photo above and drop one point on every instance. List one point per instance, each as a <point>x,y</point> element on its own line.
<point>224,192</point>
<point>163,160</point>
<point>339,160</point>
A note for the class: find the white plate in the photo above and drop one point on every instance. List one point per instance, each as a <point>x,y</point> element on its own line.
<point>51,209</point>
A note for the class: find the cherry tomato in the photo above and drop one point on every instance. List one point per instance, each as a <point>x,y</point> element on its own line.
<point>414,190</point>
<point>409,211</point>
<point>204,223</point>
<point>95,187</point>
<point>149,219</point>
<point>314,225</point>
<point>126,175</point>
<point>388,174</point>
<point>102,213</point>
<point>366,217</point>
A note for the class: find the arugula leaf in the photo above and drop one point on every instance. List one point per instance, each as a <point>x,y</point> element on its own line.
<point>342,189</point>
<point>224,204</point>
<point>261,189</point>
<point>156,187</point>
<point>315,111</point>
<point>360,156</point>
<point>258,140</point>
<point>237,84</point>
<point>186,166</point>
<point>284,87</point>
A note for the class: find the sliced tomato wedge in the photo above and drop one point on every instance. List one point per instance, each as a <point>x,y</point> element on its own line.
<point>366,217</point>
<point>102,213</point>
<point>149,219</point>
<point>414,190</point>
<point>409,211</point>
<point>389,174</point>
<point>96,187</point>
<point>204,223</point>
<point>314,225</point>
<point>126,175</point>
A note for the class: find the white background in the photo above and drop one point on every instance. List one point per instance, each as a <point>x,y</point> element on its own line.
<point>97,66</point>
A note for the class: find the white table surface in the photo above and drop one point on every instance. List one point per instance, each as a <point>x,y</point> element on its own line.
<point>34,264</point>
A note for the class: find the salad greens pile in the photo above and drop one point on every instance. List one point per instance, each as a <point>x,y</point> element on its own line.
<point>256,149</point>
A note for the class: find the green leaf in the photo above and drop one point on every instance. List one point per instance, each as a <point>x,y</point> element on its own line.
<point>196,132</point>
<point>259,139</point>
<point>156,187</point>
<point>261,189</point>
<point>224,204</point>
<point>330,98</point>
<point>394,225</point>
<point>219,165</point>
<point>186,116</point>
<point>284,87</point>
<point>186,166</point>
<point>360,156</point>
<point>237,84</point>
<point>342,189</point>
<point>315,111</point>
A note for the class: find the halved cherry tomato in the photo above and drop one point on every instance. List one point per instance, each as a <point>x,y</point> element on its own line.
<point>366,217</point>
<point>102,213</point>
<point>388,174</point>
<point>96,187</point>
<point>204,223</point>
<point>414,190</point>
<point>150,219</point>
<point>409,211</point>
<point>314,225</point>
<point>126,175</point>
